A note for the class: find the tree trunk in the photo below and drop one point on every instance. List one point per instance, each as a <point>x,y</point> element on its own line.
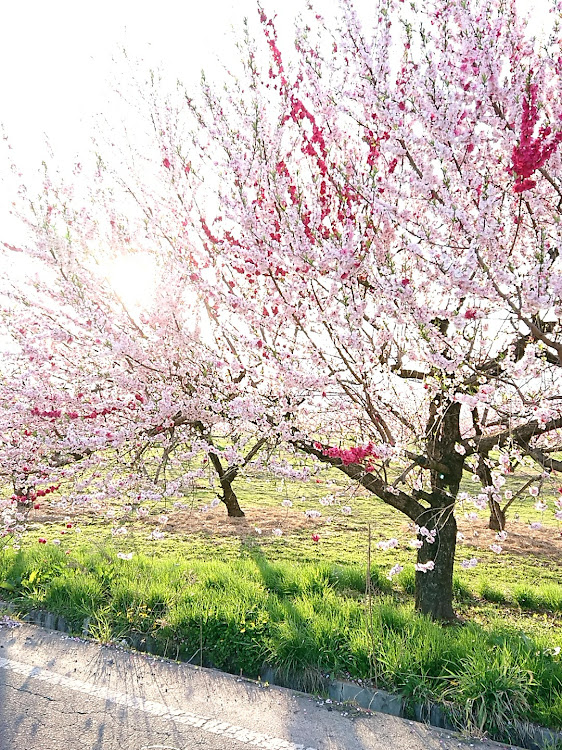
<point>230,500</point>
<point>497,516</point>
<point>434,588</point>
<point>24,495</point>
<point>228,496</point>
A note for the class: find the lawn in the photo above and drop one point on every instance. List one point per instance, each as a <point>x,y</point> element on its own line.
<point>233,594</point>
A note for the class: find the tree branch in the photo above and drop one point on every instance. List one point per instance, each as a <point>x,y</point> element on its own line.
<point>395,498</point>
<point>547,463</point>
<point>522,433</point>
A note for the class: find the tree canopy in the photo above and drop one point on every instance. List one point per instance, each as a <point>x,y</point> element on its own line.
<point>370,224</point>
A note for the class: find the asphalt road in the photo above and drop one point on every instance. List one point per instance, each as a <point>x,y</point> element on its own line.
<point>60,693</point>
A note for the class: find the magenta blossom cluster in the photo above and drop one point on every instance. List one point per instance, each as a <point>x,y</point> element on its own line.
<point>354,455</point>
<point>531,153</point>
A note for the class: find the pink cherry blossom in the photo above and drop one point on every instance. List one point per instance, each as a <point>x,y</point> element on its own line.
<point>394,571</point>
<point>333,263</point>
<point>424,567</point>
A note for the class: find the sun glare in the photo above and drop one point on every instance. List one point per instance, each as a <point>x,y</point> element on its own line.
<point>134,278</point>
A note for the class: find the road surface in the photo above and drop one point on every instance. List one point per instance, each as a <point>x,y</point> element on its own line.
<point>60,693</point>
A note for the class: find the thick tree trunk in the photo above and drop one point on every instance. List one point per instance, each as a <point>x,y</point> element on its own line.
<point>228,496</point>
<point>497,516</point>
<point>434,588</point>
<point>230,500</point>
<point>434,511</point>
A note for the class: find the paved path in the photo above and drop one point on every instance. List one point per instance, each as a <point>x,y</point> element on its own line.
<point>59,693</point>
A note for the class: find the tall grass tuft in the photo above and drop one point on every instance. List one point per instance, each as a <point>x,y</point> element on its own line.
<point>490,691</point>
<point>490,592</point>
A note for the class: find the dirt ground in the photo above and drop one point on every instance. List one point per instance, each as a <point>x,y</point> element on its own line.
<point>545,543</point>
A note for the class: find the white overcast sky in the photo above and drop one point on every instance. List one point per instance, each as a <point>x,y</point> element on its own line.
<point>55,58</point>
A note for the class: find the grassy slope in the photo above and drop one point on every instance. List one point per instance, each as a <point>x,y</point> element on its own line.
<point>300,605</point>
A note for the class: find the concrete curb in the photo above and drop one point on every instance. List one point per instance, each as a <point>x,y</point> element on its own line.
<point>373,700</point>
<point>529,736</point>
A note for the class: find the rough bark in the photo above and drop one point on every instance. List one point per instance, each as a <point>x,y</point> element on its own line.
<point>434,589</point>
<point>497,516</point>
<point>435,510</point>
<point>229,498</point>
<point>226,478</point>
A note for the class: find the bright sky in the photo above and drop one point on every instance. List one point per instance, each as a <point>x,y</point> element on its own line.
<point>55,59</point>
<point>56,62</point>
<point>55,56</point>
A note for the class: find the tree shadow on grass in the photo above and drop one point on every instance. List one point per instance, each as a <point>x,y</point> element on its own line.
<point>303,650</point>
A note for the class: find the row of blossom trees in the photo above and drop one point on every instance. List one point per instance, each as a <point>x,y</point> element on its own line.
<point>98,402</point>
<point>372,227</point>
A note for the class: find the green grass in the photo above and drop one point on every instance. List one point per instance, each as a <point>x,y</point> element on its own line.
<point>307,620</point>
<point>241,600</point>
